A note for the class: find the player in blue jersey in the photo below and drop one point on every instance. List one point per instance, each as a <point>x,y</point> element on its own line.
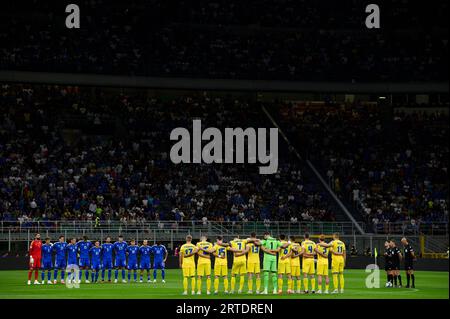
<point>132,252</point>
<point>159,259</point>
<point>96,254</point>
<point>72,253</point>
<point>145,251</point>
<point>107,258</point>
<point>59,249</point>
<point>120,248</point>
<point>84,247</point>
<point>47,264</point>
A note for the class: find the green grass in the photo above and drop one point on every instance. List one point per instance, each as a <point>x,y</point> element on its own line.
<point>429,285</point>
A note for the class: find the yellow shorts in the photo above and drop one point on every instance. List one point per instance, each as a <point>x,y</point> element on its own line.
<point>254,268</point>
<point>322,268</point>
<point>295,270</point>
<point>239,268</point>
<point>204,269</point>
<point>189,270</point>
<point>284,268</point>
<point>337,264</point>
<point>308,266</point>
<point>220,270</point>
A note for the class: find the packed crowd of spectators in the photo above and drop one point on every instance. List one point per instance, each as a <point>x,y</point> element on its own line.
<point>287,40</point>
<point>390,167</point>
<point>81,154</point>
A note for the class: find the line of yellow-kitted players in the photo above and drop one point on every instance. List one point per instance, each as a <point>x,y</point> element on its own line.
<point>281,260</point>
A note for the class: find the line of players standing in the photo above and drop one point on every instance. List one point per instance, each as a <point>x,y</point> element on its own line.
<point>83,255</point>
<point>393,256</point>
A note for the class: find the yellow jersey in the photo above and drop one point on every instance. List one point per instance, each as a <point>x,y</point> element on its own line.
<point>308,247</point>
<point>253,253</point>
<point>239,244</point>
<point>205,245</point>
<point>185,250</point>
<point>221,251</point>
<point>284,252</point>
<point>338,247</point>
<point>323,250</point>
<point>295,257</point>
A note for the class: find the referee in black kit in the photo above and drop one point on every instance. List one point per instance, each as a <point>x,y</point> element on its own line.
<point>388,263</point>
<point>396,257</point>
<point>409,259</point>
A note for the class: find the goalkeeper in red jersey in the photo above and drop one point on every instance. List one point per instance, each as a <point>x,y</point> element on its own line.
<point>35,259</point>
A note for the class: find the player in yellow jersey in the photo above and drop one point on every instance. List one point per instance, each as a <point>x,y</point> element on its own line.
<point>338,259</point>
<point>284,264</point>
<point>220,264</point>
<point>308,252</point>
<point>187,263</point>
<point>204,265</point>
<point>253,264</point>
<point>322,265</point>
<point>295,266</point>
<point>238,246</point>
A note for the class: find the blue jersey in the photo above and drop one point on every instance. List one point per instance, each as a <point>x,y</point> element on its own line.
<point>60,250</point>
<point>96,253</point>
<point>145,253</point>
<point>84,248</point>
<point>107,250</point>
<point>46,252</point>
<point>119,249</point>
<point>72,250</point>
<point>159,253</point>
<point>132,254</point>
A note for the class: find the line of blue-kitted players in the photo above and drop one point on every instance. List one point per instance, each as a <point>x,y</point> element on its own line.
<point>93,258</point>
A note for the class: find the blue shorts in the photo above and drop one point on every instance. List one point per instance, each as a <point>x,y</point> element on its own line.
<point>133,265</point>
<point>60,263</point>
<point>121,262</point>
<point>158,265</point>
<point>72,262</point>
<point>84,262</point>
<point>96,265</point>
<point>47,264</point>
<point>107,264</point>
<point>145,264</point>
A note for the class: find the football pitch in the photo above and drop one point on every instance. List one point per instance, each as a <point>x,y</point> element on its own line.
<point>429,285</point>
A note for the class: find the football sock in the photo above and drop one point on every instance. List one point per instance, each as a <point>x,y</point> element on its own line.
<point>55,274</point>
<point>280,283</point>
<point>185,283</point>
<point>192,283</point>
<point>335,281</point>
<point>63,274</point>
<point>241,282</point>
<point>123,274</point>
<point>216,284</point>
<point>208,284</point>
<point>86,274</point>
<point>395,280</point>
<point>109,274</point>
<point>290,284</point>
<point>225,284</point>
<point>305,283</point>
<point>250,283</point>
<point>341,280</point>
<point>103,274</point>
<point>400,280</point>
<point>199,284</point>
<point>274,281</point>
<point>163,274</point>
<point>135,275</point>
<point>299,284</point>
<point>233,283</point>
<point>266,280</point>
<point>413,278</point>
<point>42,275</point>
<point>49,275</point>
<point>408,279</point>
<point>116,273</point>
<point>129,275</point>
<point>313,283</point>
<point>92,276</point>
<point>258,284</point>
<point>96,276</point>
<point>154,273</point>
<point>327,286</point>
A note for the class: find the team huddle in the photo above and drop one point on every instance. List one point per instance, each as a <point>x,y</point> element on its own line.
<point>93,258</point>
<point>281,260</point>
<point>393,256</point>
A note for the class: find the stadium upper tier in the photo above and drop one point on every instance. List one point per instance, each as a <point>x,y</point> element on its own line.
<point>287,40</point>
<point>71,153</point>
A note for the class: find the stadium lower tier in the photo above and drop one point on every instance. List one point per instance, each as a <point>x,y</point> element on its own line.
<point>429,285</point>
